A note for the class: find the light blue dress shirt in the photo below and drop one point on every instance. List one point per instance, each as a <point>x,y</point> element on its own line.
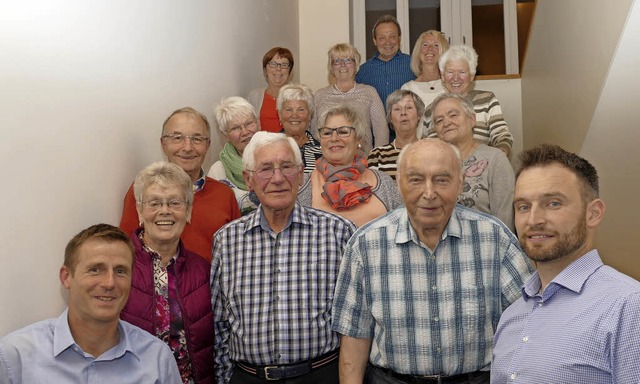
<point>584,328</point>
<point>45,352</point>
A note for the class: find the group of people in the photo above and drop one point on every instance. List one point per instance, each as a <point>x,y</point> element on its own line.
<point>324,248</point>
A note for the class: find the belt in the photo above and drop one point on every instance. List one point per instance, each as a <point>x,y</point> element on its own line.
<point>279,372</point>
<point>433,379</point>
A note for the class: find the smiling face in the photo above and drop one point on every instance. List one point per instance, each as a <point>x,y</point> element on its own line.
<point>456,77</point>
<point>278,76</point>
<point>342,70</point>
<point>99,283</point>
<point>187,155</point>
<point>429,51</point>
<point>404,116</point>
<point>163,226</point>
<point>387,40</point>
<point>430,181</point>
<point>295,117</point>
<point>552,219</point>
<point>452,124</point>
<point>279,192</point>
<point>339,150</point>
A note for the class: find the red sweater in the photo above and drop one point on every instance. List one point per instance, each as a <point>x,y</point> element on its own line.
<point>213,206</point>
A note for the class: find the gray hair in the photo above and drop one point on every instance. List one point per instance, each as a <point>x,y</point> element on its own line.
<point>163,174</point>
<point>465,102</point>
<point>460,53</point>
<point>263,139</point>
<point>398,95</point>
<point>410,147</point>
<point>188,111</point>
<point>349,113</point>
<point>231,109</point>
<point>295,92</point>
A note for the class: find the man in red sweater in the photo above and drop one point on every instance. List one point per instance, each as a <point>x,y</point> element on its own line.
<point>185,140</point>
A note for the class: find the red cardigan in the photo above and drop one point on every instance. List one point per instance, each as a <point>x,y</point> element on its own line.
<point>194,295</point>
<point>213,206</point>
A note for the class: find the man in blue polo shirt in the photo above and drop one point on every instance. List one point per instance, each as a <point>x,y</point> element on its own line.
<point>389,68</point>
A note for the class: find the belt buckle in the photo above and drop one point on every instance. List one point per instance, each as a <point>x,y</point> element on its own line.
<point>432,378</point>
<point>266,372</point>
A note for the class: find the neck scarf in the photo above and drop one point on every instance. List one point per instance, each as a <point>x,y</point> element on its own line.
<point>232,163</point>
<point>342,190</point>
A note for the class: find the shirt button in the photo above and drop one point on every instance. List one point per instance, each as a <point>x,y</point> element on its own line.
<point>513,376</point>
<point>436,318</point>
<point>539,304</point>
<point>434,287</point>
<point>525,339</point>
<point>277,298</point>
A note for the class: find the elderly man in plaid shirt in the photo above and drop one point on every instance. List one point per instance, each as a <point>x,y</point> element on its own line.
<point>273,277</point>
<point>421,289</point>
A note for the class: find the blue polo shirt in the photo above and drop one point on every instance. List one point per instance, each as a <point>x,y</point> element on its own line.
<point>386,76</point>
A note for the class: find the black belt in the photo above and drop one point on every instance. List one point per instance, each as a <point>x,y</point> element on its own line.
<point>432,379</point>
<point>279,372</point>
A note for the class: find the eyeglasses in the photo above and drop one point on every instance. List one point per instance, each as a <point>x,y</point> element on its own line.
<point>275,64</point>
<point>177,138</point>
<point>267,172</point>
<point>346,61</point>
<point>156,205</point>
<point>250,125</point>
<point>343,132</point>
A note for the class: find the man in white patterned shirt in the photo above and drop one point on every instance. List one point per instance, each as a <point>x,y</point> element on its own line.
<point>421,289</point>
<point>273,276</point>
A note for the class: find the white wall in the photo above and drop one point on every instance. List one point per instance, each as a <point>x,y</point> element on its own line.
<point>84,89</point>
<point>580,90</point>
<point>322,25</point>
<point>612,144</point>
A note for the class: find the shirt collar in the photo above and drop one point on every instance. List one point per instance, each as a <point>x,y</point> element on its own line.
<point>63,340</point>
<point>573,277</point>
<point>406,233</point>
<point>377,54</point>
<point>199,183</point>
<point>257,218</point>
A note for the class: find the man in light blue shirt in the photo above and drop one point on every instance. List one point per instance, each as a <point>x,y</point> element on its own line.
<point>88,343</point>
<point>578,321</point>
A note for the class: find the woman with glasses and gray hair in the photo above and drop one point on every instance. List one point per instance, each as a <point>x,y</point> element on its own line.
<point>236,118</point>
<point>342,183</point>
<point>277,65</point>
<point>404,109</point>
<point>343,64</point>
<point>295,107</point>
<point>170,295</point>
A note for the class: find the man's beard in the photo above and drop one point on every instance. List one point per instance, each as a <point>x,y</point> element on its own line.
<point>566,244</point>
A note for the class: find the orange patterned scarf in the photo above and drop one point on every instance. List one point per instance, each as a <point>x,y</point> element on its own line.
<point>342,190</point>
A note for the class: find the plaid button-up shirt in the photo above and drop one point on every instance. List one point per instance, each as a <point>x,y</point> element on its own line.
<point>272,293</point>
<point>429,312</point>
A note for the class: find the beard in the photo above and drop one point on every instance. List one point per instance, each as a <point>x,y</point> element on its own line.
<point>566,244</point>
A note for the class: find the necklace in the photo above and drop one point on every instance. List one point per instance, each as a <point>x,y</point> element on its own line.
<point>432,86</point>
